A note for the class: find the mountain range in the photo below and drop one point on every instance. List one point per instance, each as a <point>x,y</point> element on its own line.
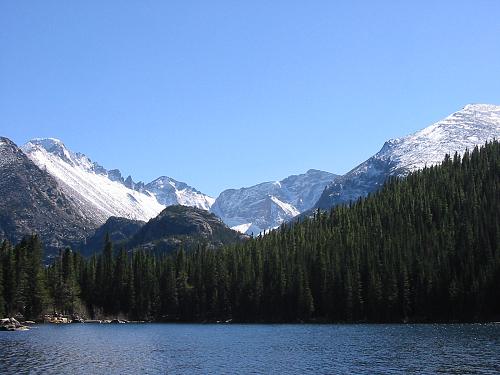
<point>104,193</point>
<point>267,205</point>
<point>66,197</point>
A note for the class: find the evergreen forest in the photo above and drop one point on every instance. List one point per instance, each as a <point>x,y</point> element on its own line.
<point>423,248</point>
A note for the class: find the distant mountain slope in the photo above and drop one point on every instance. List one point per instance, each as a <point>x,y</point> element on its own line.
<point>119,229</point>
<point>181,226</point>
<point>31,201</point>
<point>473,125</point>
<point>171,192</point>
<point>102,193</point>
<point>269,204</point>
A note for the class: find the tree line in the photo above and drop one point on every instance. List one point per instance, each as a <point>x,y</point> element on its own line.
<point>422,248</point>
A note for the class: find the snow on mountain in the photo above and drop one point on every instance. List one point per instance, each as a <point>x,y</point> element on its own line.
<point>242,228</point>
<point>169,192</point>
<point>99,192</point>
<point>473,125</point>
<point>31,201</point>
<point>287,208</point>
<point>267,205</point>
<point>102,193</point>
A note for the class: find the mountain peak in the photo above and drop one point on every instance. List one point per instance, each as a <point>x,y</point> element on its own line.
<point>51,145</point>
<point>481,107</point>
<point>473,125</point>
<point>267,205</point>
<point>169,192</point>
<point>48,143</point>
<point>42,149</point>
<point>165,181</point>
<point>5,140</point>
<point>313,172</point>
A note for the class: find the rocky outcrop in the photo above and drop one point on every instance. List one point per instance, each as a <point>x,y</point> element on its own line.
<point>186,227</point>
<point>119,230</point>
<point>11,324</point>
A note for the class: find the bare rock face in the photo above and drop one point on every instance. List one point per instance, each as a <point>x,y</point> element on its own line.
<point>31,201</point>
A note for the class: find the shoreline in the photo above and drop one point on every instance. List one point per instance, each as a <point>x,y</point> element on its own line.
<point>268,323</point>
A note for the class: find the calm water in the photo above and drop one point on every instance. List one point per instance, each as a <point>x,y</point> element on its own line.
<point>252,349</point>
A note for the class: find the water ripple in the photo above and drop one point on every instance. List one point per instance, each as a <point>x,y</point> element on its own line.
<point>252,349</point>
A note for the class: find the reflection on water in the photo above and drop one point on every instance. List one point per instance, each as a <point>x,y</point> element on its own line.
<point>251,349</point>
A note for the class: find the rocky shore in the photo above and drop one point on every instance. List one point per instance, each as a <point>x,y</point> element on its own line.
<point>63,319</point>
<point>11,324</point>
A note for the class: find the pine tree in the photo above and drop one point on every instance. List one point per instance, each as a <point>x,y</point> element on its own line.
<point>36,296</point>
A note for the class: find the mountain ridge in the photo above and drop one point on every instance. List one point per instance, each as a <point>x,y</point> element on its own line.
<point>105,193</point>
<point>473,125</point>
<point>31,201</point>
<point>267,205</point>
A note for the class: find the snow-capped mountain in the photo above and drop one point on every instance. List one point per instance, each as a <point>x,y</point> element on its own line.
<point>473,125</point>
<point>171,192</point>
<point>102,193</point>
<point>82,194</point>
<point>267,205</point>
<point>32,201</point>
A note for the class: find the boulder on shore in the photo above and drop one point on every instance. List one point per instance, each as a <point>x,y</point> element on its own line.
<point>57,319</point>
<point>11,324</point>
<point>118,321</point>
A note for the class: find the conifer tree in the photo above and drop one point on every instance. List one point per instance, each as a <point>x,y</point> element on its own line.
<point>36,295</point>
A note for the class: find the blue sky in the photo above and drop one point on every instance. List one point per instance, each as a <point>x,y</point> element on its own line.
<point>224,94</point>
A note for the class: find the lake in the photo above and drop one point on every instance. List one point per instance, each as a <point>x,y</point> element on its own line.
<point>251,349</point>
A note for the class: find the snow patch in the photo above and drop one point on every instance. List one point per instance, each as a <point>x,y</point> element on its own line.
<point>286,207</point>
<point>242,228</point>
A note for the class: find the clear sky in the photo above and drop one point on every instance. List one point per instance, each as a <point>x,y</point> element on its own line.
<point>224,94</point>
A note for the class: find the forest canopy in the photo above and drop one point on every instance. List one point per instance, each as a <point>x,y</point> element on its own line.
<point>422,248</point>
